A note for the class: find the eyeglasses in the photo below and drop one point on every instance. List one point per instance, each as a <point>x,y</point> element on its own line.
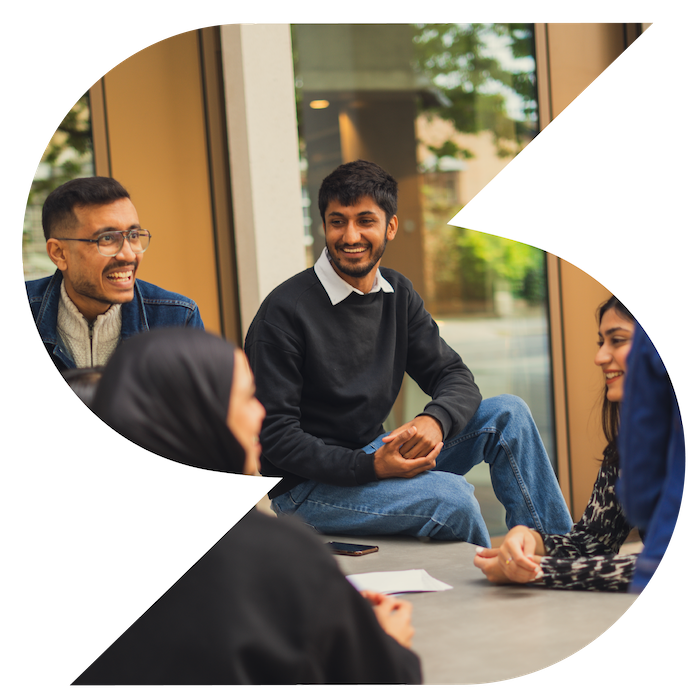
<point>110,243</point>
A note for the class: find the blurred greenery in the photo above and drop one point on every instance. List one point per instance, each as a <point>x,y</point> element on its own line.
<point>67,154</point>
<point>520,265</point>
<point>473,82</point>
<point>470,264</point>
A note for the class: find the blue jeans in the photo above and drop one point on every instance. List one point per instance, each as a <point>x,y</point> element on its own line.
<point>440,503</point>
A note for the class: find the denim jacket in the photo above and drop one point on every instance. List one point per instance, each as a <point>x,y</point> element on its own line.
<point>151,307</point>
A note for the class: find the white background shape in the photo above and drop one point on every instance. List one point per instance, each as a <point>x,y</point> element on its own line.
<point>35,379</point>
<point>139,521</point>
<point>106,494</point>
<point>577,192</point>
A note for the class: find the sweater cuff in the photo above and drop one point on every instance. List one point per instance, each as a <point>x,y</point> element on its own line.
<point>364,469</point>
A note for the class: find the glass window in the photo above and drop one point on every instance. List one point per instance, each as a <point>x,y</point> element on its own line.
<point>443,108</point>
<point>68,155</point>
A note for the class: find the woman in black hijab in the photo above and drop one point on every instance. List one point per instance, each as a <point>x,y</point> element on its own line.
<point>267,604</point>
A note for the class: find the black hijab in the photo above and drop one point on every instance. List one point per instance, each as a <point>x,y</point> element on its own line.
<point>267,603</point>
<point>168,390</point>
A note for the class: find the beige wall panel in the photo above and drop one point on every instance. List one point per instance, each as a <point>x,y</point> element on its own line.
<point>264,159</point>
<point>559,377</point>
<point>570,58</point>
<point>578,54</point>
<point>581,296</point>
<point>158,150</point>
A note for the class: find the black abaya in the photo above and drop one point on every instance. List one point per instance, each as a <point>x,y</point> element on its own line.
<point>267,604</point>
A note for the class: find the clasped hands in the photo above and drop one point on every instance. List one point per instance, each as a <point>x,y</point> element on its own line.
<point>410,449</point>
<point>517,560</point>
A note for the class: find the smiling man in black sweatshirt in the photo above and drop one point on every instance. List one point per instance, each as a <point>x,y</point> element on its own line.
<point>329,348</point>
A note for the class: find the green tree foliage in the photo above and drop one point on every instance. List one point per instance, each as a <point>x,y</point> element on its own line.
<point>68,152</point>
<point>520,265</point>
<point>473,83</point>
<point>468,264</point>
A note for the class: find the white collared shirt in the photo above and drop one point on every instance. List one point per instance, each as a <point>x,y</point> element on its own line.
<point>337,288</point>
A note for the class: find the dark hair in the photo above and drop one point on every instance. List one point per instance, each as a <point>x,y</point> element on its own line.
<point>349,182</point>
<point>84,381</point>
<point>611,409</point>
<point>59,206</point>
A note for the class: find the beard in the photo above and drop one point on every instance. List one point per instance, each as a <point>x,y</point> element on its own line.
<point>85,286</point>
<point>359,269</point>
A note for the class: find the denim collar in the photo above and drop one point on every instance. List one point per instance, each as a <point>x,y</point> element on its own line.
<point>133,313</point>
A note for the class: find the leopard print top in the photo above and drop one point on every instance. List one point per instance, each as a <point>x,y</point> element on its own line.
<point>587,558</point>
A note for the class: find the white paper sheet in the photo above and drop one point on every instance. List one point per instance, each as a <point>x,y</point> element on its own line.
<point>410,581</point>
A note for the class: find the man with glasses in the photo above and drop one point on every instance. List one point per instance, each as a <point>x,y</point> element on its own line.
<point>93,300</point>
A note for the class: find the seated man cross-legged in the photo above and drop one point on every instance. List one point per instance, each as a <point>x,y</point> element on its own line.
<point>329,348</point>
